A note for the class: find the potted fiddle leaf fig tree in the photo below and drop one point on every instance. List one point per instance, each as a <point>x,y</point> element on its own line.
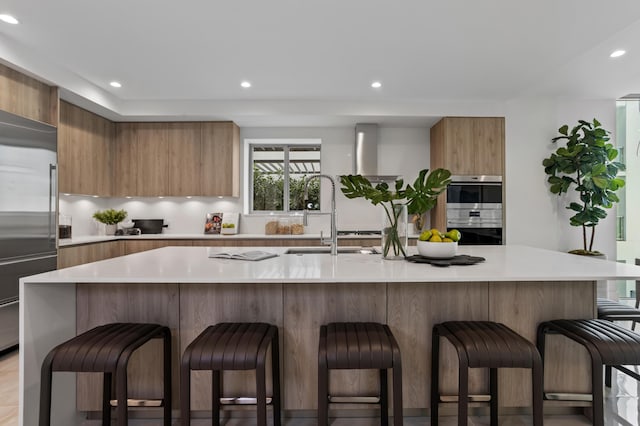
<point>586,164</point>
<point>417,198</point>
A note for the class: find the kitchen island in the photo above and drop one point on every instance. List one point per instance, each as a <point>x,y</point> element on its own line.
<point>185,289</point>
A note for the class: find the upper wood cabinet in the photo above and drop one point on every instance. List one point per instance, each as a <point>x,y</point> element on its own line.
<point>469,145</point>
<point>185,159</point>
<point>27,97</point>
<point>220,159</point>
<point>85,152</point>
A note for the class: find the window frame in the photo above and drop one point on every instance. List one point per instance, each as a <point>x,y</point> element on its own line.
<point>286,145</point>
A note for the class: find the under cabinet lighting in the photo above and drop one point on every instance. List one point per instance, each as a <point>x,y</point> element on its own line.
<point>115,84</point>
<point>128,196</point>
<point>376,85</point>
<point>617,53</point>
<point>9,19</point>
<point>95,196</point>
<point>245,84</point>
<point>161,197</point>
<point>189,197</point>
<point>220,196</point>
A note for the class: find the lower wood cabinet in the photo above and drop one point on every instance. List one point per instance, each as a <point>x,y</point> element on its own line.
<point>87,253</point>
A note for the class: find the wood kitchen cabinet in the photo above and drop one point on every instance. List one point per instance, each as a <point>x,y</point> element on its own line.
<point>87,253</point>
<point>469,145</point>
<point>152,159</point>
<point>85,152</point>
<point>220,159</point>
<point>185,159</point>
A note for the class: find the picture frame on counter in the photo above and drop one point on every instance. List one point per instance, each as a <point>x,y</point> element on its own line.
<point>213,223</point>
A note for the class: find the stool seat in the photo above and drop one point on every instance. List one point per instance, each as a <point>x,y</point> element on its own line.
<point>233,346</point>
<point>359,345</point>
<point>616,311</point>
<point>484,344</point>
<point>489,344</point>
<point>105,349</point>
<point>608,345</point>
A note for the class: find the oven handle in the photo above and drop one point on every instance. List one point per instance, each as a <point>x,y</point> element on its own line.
<point>472,224</point>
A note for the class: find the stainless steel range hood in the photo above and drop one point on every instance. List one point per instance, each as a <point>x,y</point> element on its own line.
<point>366,154</point>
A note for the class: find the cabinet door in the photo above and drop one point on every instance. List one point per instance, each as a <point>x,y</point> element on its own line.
<point>185,159</point>
<point>152,159</point>
<point>220,159</point>
<point>125,164</point>
<point>488,134</point>
<point>85,152</point>
<point>87,253</point>
<point>459,145</point>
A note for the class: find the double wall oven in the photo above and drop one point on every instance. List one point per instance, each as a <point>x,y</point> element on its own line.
<point>474,206</point>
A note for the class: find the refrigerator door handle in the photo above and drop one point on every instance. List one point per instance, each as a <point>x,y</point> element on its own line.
<point>52,201</point>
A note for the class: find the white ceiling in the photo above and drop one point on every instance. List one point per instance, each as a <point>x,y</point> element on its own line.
<point>312,62</point>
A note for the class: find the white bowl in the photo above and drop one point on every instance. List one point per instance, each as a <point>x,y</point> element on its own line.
<point>437,250</point>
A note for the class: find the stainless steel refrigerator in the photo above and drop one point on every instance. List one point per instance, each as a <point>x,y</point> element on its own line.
<point>28,205</point>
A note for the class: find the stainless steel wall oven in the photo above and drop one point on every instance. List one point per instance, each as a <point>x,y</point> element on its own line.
<point>474,206</point>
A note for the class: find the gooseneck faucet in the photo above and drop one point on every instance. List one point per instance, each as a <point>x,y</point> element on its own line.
<point>334,233</point>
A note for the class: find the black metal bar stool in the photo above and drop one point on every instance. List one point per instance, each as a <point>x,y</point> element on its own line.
<point>359,345</point>
<point>484,344</point>
<point>608,344</point>
<point>106,349</point>
<point>233,346</point>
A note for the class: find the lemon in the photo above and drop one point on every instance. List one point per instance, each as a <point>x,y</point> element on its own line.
<point>425,235</point>
<point>454,235</point>
<point>435,238</point>
<point>447,240</point>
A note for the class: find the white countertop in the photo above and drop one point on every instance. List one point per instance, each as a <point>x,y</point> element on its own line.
<point>192,265</point>
<point>89,239</point>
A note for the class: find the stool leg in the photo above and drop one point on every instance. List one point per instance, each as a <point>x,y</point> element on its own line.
<point>607,375</point>
<point>596,389</point>
<point>537,380</point>
<point>185,390</point>
<point>275,380</point>
<point>216,394</point>
<point>435,376</point>
<point>384,398</point>
<point>323,380</point>
<point>106,399</point>
<point>463,394</point>
<point>46,377</point>
<point>261,394</point>
<point>397,394</point>
<point>493,390</point>
<point>167,377</point>
<point>121,395</point>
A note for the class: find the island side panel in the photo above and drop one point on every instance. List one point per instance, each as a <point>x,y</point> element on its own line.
<point>151,303</point>
<point>414,308</point>
<point>524,305</point>
<point>202,305</point>
<point>306,308</point>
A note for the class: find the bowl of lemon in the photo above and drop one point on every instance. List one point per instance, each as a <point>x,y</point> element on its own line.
<point>435,244</point>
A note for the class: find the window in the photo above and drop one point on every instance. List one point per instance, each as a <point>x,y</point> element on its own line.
<point>278,172</point>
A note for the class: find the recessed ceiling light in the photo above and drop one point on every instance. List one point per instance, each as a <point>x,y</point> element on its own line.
<point>617,53</point>
<point>376,85</point>
<point>245,84</point>
<point>9,19</point>
<point>115,84</point>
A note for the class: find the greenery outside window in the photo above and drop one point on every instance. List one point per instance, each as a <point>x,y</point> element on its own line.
<point>277,174</point>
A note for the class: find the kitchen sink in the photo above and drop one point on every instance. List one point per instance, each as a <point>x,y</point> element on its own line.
<point>327,250</point>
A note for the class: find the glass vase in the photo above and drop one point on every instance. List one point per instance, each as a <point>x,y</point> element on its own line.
<point>394,232</point>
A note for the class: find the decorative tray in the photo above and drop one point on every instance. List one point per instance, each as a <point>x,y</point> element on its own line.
<point>461,259</point>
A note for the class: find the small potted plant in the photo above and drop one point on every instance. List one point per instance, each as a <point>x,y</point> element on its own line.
<point>587,165</point>
<point>110,218</point>
<point>419,197</point>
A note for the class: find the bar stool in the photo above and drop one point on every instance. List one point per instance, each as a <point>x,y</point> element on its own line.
<point>233,346</point>
<point>608,344</point>
<point>484,344</point>
<point>359,345</point>
<point>106,349</point>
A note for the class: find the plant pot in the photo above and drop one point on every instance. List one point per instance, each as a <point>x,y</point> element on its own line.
<point>110,229</point>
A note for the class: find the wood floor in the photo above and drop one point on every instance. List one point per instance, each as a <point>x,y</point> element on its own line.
<point>622,407</point>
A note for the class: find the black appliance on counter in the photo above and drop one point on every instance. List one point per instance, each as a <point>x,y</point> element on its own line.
<point>474,206</point>
<point>28,217</point>
<point>149,226</point>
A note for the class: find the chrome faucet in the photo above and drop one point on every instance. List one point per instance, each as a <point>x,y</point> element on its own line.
<point>306,213</point>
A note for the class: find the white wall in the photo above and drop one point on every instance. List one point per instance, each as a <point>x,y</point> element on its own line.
<point>536,217</point>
